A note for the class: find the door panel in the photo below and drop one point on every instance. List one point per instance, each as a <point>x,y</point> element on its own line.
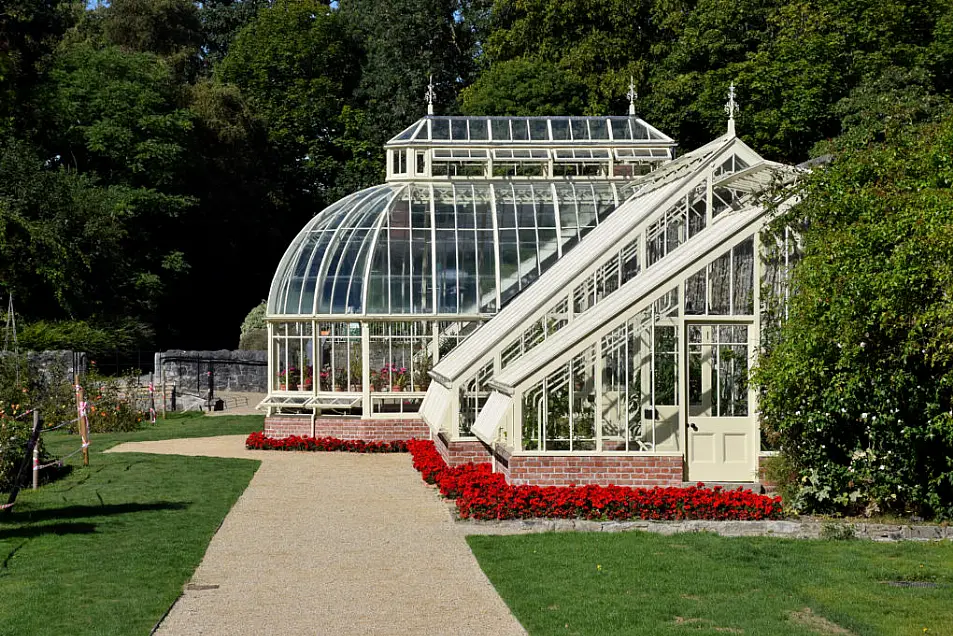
<point>720,427</point>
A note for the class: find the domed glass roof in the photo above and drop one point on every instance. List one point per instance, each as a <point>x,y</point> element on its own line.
<point>433,248</point>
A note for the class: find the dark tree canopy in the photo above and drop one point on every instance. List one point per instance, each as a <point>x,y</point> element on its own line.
<point>208,133</point>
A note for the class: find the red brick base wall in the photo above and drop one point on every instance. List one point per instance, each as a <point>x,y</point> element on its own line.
<point>347,428</point>
<point>461,452</point>
<point>762,477</point>
<point>630,470</point>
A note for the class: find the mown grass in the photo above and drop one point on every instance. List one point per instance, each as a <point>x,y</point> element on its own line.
<point>108,548</point>
<point>641,583</point>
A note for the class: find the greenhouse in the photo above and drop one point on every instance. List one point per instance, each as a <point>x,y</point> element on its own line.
<point>628,361</point>
<point>383,284</point>
<point>561,296</point>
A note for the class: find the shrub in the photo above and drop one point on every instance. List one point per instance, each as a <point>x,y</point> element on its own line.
<point>858,388</point>
<point>14,439</point>
<point>112,403</point>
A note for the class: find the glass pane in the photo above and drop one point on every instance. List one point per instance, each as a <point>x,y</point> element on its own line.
<point>560,129</point>
<point>598,129</point>
<point>719,275</point>
<point>743,272</point>
<point>538,130</point>
<point>458,130</point>
<point>440,129</point>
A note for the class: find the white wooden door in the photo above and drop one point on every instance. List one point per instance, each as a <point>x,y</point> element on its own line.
<point>721,427</point>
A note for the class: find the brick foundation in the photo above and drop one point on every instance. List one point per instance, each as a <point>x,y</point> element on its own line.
<point>461,451</point>
<point>347,428</point>
<point>644,471</point>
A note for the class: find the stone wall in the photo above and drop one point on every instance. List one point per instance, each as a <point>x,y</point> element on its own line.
<point>54,366</point>
<point>245,371</point>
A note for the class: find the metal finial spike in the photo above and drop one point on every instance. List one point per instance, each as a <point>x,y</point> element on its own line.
<point>730,108</point>
<point>430,96</point>
<point>632,95</point>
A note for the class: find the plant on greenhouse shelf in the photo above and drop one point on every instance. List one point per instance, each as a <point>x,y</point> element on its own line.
<point>357,375</point>
<point>399,378</point>
<point>288,379</point>
<point>377,383</point>
<point>422,372</point>
<point>340,379</point>
<point>308,378</point>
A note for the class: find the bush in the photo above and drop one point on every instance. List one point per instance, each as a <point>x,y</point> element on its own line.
<point>14,439</point>
<point>858,389</point>
<point>112,403</point>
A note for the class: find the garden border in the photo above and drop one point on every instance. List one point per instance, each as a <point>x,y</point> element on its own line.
<point>787,528</point>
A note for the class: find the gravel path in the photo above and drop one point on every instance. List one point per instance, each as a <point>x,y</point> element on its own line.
<point>332,543</point>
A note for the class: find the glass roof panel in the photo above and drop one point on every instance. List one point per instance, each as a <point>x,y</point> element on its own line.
<point>439,128</point>
<point>599,129</point>
<point>500,129</point>
<point>580,128</point>
<point>373,252</point>
<point>621,131</point>
<point>520,129</point>
<point>538,129</point>
<point>478,130</point>
<point>560,129</point>
<point>408,132</point>
<point>458,130</point>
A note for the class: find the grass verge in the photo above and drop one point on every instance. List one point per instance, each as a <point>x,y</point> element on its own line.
<point>107,549</point>
<point>642,583</point>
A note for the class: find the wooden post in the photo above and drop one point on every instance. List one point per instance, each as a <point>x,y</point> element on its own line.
<point>21,473</point>
<point>161,373</point>
<point>36,452</point>
<point>83,421</point>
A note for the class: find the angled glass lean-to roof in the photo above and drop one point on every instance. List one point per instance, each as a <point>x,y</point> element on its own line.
<point>380,286</point>
<point>640,342</point>
<point>665,214</point>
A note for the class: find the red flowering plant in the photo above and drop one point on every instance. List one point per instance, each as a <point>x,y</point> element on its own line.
<point>482,494</point>
<point>258,441</point>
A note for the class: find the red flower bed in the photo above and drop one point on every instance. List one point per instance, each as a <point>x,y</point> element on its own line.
<point>483,494</point>
<point>258,441</point>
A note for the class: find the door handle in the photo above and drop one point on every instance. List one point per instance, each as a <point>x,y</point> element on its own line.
<point>693,426</point>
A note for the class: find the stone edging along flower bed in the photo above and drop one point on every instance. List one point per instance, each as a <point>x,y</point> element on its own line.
<point>481,494</point>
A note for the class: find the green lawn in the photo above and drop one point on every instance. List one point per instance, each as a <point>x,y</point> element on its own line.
<point>107,549</point>
<point>641,583</point>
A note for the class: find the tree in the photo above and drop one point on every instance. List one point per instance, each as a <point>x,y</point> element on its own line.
<point>601,44</point>
<point>858,388</point>
<point>524,87</point>
<point>404,43</point>
<point>297,65</point>
<point>64,242</point>
<point>222,21</point>
<point>29,29</point>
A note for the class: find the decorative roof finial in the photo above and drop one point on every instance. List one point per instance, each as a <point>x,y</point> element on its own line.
<point>632,95</point>
<point>730,109</point>
<point>430,96</point>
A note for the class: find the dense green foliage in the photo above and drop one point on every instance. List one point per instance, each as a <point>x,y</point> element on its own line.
<point>697,583</point>
<point>858,388</point>
<point>148,147</point>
